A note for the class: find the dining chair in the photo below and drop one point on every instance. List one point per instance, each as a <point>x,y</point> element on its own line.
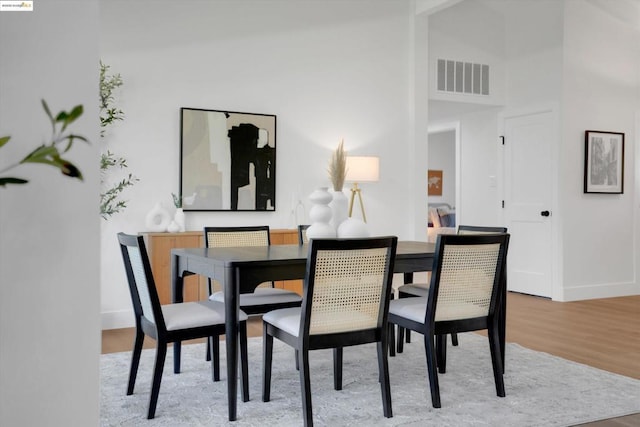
<point>302,234</point>
<point>422,289</point>
<point>464,296</point>
<point>345,302</point>
<point>171,322</point>
<point>262,299</point>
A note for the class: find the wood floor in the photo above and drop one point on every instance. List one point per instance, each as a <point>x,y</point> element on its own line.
<point>603,333</point>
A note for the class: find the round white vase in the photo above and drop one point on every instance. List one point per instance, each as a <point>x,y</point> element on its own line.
<point>320,215</point>
<point>173,227</point>
<point>352,228</point>
<point>158,218</point>
<point>178,217</point>
<point>339,208</point>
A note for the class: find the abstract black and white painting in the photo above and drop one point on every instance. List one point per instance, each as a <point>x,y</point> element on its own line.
<point>227,160</point>
<point>604,162</point>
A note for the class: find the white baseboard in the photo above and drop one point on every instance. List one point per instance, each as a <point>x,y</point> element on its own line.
<point>606,290</point>
<point>117,319</point>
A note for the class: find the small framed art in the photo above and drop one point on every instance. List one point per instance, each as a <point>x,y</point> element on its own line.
<point>603,162</point>
<point>434,182</point>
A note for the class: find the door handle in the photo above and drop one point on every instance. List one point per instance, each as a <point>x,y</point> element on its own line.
<point>545,213</point>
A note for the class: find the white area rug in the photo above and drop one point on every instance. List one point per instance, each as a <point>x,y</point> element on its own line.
<point>542,390</point>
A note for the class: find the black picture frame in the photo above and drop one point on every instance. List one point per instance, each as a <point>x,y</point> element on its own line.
<point>227,160</point>
<point>603,162</point>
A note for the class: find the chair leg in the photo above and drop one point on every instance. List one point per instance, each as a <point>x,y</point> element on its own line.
<point>408,336</point>
<point>441,353</point>
<point>401,332</point>
<point>305,385</point>
<point>244,361</point>
<point>385,387</point>
<point>213,346</point>
<point>496,359</point>
<point>297,360</point>
<point>161,354</point>
<point>208,355</point>
<point>337,368</point>
<point>432,370</point>
<point>391,333</point>
<point>176,357</point>
<point>135,360</point>
<point>267,353</point>
<point>454,339</point>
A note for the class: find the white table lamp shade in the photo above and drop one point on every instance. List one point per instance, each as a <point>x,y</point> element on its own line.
<point>362,169</point>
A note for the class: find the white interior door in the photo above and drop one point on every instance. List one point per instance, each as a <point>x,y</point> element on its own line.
<point>528,189</point>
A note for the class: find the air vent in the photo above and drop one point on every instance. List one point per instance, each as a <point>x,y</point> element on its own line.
<point>463,77</point>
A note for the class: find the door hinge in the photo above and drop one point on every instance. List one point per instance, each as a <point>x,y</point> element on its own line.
<point>502,139</point>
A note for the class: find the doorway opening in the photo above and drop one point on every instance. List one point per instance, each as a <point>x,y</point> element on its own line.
<point>443,179</point>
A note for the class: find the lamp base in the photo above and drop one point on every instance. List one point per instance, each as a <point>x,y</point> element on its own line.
<point>356,190</point>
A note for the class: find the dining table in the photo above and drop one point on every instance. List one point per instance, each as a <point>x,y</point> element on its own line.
<point>242,269</point>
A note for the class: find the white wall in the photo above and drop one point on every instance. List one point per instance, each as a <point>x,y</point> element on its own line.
<point>600,92</point>
<point>49,228</point>
<point>479,199</point>
<point>328,70</point>
<point>587,61</point>
<point>469,31</point>
<point>533,57</point>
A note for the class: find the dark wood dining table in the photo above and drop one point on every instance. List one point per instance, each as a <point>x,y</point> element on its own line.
<point>242,269</point>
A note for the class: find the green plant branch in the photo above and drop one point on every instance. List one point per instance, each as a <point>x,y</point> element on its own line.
<point>177,200</point>
<point>110,163</point>
<point>51,153</point>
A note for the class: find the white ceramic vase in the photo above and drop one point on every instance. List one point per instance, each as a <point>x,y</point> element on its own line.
<point>178,218</point>
<point>353,228</point>
<point>320,215</point>
<point>339,208</point>
<point>173,227</point>
<point>158,218</point>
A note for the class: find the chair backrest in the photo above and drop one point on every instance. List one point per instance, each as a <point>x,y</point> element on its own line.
<point>347,284</point>
<point>144,295</point>
<point>476,229</point>
<point>215,237</point>
<point>302,234</point>
<point>467,276</point>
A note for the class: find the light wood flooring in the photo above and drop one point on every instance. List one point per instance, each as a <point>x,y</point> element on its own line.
<point>603,333</point>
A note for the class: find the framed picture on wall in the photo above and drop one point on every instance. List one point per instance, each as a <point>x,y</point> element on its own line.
<point>434,182</point>
<point>227,160</point>
<point>604,162</point>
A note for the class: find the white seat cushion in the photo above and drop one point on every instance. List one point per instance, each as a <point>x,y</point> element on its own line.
<point>417,289</point>
<point>195,314</point>
<point>286,319</point>
<point>410,308</point>
<point>415,309</point>
<point>262,296</point>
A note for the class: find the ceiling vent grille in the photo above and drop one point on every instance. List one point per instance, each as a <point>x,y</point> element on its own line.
<point>463,77</point>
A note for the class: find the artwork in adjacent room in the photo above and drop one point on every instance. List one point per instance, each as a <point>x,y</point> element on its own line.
<point>604,162</point>
<point>227,161</point>
<point>434,182</point>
